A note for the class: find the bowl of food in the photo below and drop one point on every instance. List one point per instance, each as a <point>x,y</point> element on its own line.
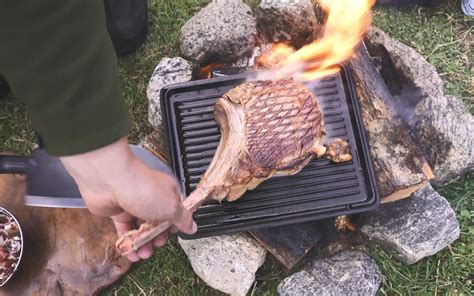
<point>11,245</point>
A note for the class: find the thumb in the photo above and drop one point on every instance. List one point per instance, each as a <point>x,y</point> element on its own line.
<point>184,221</point>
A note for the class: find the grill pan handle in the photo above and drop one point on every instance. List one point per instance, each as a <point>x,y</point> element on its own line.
<point>133,240</point>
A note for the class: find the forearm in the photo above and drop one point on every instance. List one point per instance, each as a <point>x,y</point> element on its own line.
<point>59,60</point>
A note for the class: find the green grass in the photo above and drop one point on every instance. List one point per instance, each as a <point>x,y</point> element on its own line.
<point>15,130</point>
<point>165,20</point>
<point>443,35</point>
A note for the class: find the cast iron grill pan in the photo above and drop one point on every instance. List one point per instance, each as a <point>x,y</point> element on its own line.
<point>322,189</point>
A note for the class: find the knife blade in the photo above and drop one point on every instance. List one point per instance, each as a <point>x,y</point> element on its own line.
<point>50,185</point>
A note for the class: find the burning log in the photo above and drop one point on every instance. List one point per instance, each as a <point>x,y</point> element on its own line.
<point>400,166</point>
<point>442,124</point>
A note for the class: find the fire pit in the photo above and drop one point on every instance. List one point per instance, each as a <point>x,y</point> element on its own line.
<point>413,221</point>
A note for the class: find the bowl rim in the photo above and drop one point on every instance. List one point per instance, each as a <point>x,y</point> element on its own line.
<point>22,244</point>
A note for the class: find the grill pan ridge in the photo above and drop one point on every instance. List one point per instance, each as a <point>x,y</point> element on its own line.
<point>322,189</point>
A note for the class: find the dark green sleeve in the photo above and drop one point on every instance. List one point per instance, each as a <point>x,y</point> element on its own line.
<point>58,58</point>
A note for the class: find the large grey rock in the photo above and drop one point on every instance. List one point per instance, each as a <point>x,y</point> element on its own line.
<point>168,71</point>
<point>345,273</point>
<point>442,124</point>
<point>227,263</point>
<point>288,21</point>
<point>412,228</point>
<point>223,31</point>
<point>300,283</point>
<point>445,129</point>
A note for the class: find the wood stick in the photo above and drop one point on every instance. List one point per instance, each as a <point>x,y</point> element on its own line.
<point>400,165</point>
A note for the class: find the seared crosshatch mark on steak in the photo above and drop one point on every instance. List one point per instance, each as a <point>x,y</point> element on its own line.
<point>268,128</point>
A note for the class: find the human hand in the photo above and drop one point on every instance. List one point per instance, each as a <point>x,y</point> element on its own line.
<point>116,184</point>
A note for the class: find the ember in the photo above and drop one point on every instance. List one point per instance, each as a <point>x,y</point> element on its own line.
<point>10,245</point>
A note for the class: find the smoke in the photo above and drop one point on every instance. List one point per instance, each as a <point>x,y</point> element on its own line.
<point>285,72</point>
<point>406,101</point>
<point>406,95</point>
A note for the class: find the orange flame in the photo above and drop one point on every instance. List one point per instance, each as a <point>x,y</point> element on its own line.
<point>206,71</point>
<point>347,21</point>
<point>275,56</point>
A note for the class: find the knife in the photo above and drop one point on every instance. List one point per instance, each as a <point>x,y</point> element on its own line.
<point>50,185</point>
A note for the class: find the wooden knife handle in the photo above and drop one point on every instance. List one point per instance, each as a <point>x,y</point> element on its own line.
<point>15,164</point>
<point>134,239</point>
